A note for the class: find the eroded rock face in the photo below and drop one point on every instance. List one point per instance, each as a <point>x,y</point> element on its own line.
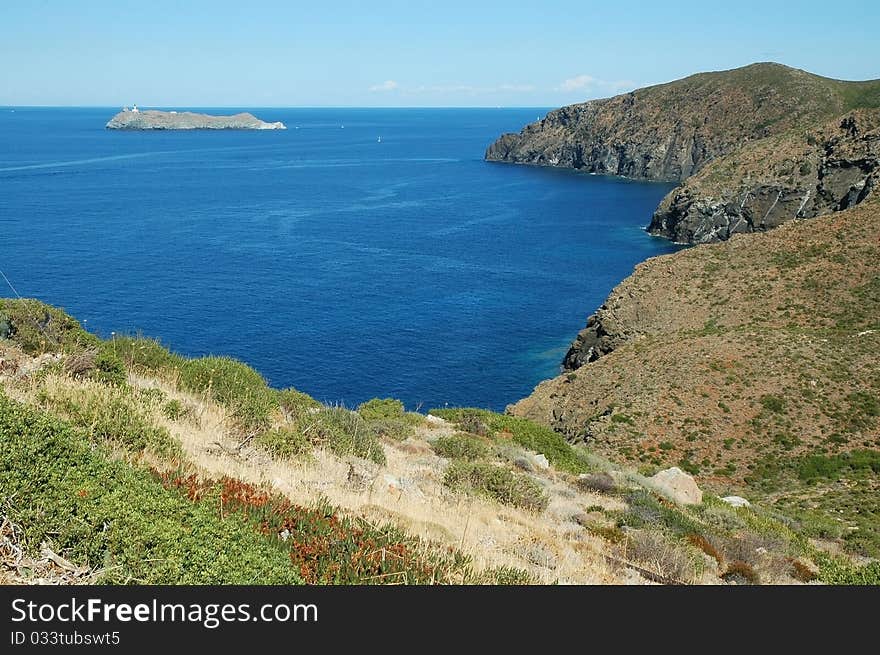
<point>771,183</point>
<point>611,137</point>
<point>186,120</point>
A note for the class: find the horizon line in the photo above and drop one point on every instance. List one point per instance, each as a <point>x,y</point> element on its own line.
<point>159,106</point>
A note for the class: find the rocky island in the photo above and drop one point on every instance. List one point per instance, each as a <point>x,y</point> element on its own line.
<point>135,119</point>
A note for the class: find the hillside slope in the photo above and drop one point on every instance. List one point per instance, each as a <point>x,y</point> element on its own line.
<point>123,462</point>
<point>672,131</point>
<point>752,363</point>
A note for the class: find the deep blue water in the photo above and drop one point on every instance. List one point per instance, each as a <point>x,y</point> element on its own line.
<point>330,261</point>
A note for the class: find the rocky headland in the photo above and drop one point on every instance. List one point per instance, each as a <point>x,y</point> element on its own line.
<point>186,120</point>
<point>750,360</point>
<point>779,142</point>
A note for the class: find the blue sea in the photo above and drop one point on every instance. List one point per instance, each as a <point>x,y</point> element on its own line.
<point>360,253</point>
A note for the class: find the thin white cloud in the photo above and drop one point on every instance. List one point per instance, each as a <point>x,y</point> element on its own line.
<point>575,83</point>
<point>387,85</point>
<point>473,90</point>
<point>588,82</point>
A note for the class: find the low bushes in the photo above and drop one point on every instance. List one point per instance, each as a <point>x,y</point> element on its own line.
<point>113,517</point>
<point>461,446</point>
<point>343,432</point>
<point>233,384</point>
<point>562,455</point>
<point>496,482</point>
<point>39,328</point>
<point>110,414</point>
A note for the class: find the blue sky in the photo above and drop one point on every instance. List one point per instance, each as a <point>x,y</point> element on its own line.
<point>449,53</point>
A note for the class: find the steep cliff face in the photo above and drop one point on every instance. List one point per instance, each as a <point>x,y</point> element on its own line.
<point>759,187</point>
<point>670,131</point>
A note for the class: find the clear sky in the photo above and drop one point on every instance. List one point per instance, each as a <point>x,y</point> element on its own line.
<point>413,53</point>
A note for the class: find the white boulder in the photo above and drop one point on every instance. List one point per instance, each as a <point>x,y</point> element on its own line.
<point>677,486</point>
<point>736,501</point>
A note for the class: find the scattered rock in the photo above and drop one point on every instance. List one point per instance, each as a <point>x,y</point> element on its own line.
<point>435,420</point>
<point>678,486</point>
<point>524,463</point>
<point>531,463</point>
<point>601,482</point>
<point>736,501</point>
<point>360,473</point>
<point>393,483</point>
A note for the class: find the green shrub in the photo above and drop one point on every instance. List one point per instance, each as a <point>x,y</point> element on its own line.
<point>109,414</point>
<point>145,355</point>
<point>39,328</point>
<point>295,404</point>
<point>284,442</point>
<point>109,368</point>
<point>496,482</point>
<point>537,438</point>
<point>393,428</point>
<point>381,408</point>
<point>622,418</point>
<point>344,432</point>
<point>773,403</point>
<point>816,467</point>
<point>646,510</point>
<point>233,384</point>
<point>174,410</point>
<point>460,446</point>
<point>105,514</point>
<point>504,576</point>
<point>835,570</point>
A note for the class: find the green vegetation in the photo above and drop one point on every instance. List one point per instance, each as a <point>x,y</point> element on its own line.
<point>284,443</point>
<point>108,414</point>
<point>233,384</point>
<point>386,417</point>
<point>773,403</point>
<point>135,526</point>
<point>39,328</point>
<point>811,468</point>
<point>381,409</point>
<point>833,570</point>
<point>344,432</point>
<point>496,482</point>
<point>145,355</point>
<point>118,519</point>
<point>527,434</point>
<point>461,446</point>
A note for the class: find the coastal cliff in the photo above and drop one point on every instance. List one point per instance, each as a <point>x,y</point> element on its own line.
<point>798,175</point>
<point>751,363</point>
<point>698,130</point>
<point>186,120</point>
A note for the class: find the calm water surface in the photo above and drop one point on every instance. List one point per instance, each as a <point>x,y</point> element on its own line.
<point>360,253</point>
